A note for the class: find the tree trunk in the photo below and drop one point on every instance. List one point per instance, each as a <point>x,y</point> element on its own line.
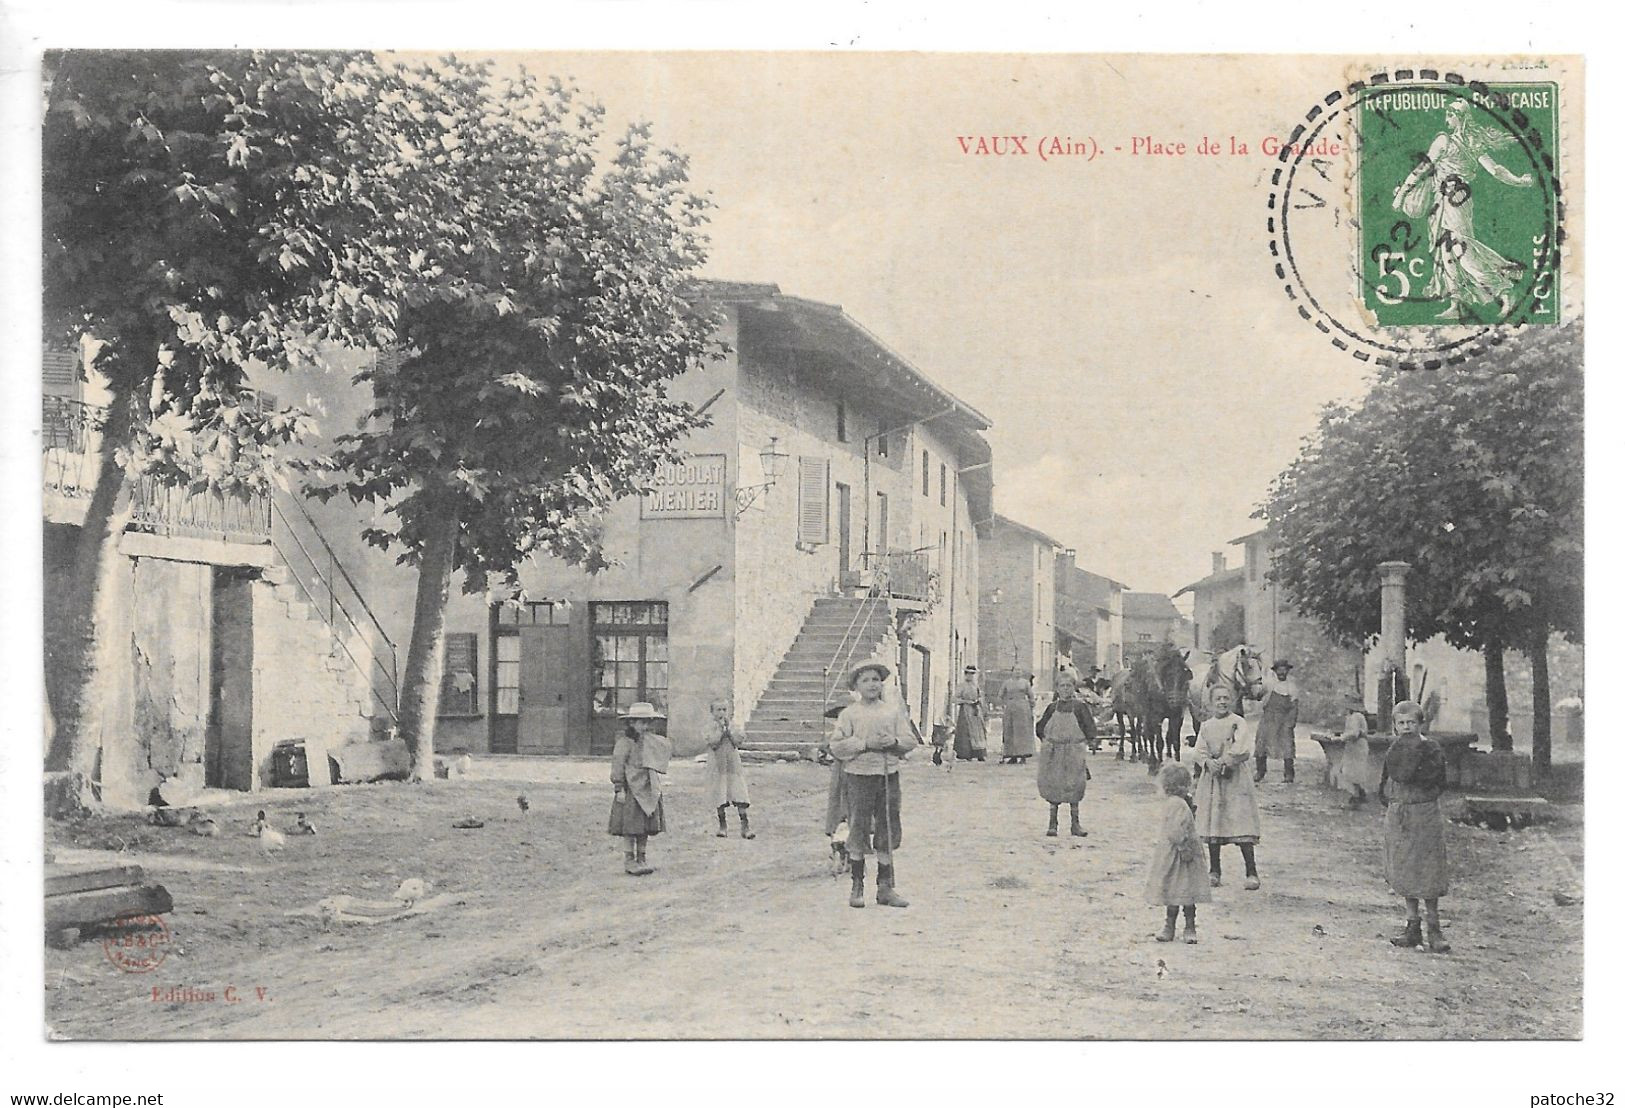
<point>425,657</point>
<point>1495,694</point>
<point>90,651</point>
<point>1543,706</point>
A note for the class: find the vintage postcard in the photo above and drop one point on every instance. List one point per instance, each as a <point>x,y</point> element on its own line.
<point>601,546</point>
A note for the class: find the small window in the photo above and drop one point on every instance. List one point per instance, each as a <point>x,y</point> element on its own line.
<point>508,651</point>
<point>532,613</point>
<point>840,421</point>
<point>925,473</point>
<point>882,448</point>
<point>942,485</point>
<point>459,680</point>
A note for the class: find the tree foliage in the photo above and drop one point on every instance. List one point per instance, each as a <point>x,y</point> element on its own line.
<point>1229,627</point>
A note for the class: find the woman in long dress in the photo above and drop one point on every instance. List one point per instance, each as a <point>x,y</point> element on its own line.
<point>1019,740</point>
<point>970,729</point>
<point>1467,274</point>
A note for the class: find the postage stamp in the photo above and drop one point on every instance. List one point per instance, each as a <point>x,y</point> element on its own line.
<point>1457,204</point>
<point>1416,216</point>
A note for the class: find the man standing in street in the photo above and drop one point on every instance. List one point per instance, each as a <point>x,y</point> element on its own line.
<point>1276,723</point>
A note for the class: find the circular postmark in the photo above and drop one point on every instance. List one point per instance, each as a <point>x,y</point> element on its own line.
<point>1415,218</point>
<point>136,943</point>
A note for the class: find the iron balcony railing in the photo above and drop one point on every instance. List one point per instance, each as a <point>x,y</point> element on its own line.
<point>902,574</point>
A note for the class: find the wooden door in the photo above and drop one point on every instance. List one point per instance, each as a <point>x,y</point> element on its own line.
<point>543,684</point>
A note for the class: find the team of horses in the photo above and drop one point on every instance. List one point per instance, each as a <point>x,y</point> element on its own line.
<point>1151,698</point>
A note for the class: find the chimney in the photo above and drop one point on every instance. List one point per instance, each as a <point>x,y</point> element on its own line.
<point>1218,561</point>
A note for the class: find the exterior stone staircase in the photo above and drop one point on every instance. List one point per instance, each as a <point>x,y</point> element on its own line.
<point>788,721</point>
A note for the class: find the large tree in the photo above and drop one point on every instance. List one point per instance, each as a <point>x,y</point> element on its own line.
<point>530,388</point>
<point>1473,475</point>
<point>201,211</point>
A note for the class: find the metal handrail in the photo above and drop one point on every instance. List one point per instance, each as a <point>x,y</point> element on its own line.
<point>336,607</point>
<point>865,608</point>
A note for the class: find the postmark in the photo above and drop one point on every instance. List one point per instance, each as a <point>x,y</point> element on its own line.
<point>136,943</point>
<point>1416,217</point>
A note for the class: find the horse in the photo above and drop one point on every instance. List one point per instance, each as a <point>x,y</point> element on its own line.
<point>1239,669</point>
<point>1129,732</point>
<point>1158,688</point>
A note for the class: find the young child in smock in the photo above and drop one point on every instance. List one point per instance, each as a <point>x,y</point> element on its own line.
<point>637,769</point>
<point>725,770</point>
<point>1067,728</point>
<point>1413,827</point>
<point>1349,775</point>
<point>1226,809</point>
<point>1174,878</point>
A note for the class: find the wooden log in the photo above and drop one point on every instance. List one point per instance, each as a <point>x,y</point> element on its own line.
<point>85,909</point>
<point>59,879</point>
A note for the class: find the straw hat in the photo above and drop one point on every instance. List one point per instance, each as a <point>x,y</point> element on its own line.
<point>1279,664</point>
<point>642,710</point>
<point>863,667</point>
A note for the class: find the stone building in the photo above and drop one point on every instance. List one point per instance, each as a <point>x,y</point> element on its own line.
<point>1218,598</point>
<point>1150,618</point>
<point>1017,604</point>
<point>1088,616</point>
<point>827,514</point>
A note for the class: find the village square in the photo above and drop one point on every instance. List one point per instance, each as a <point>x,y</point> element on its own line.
<point>473,611</point>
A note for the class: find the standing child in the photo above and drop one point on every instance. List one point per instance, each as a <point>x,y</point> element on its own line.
<point>871,740</point>
<point>1175,877</point>
<point>1067,727</point>
<point>1413,827</point>
<point>1351,772</point>
<point>637,769</point>
<point>1226,809</point>
<point>725,778</point>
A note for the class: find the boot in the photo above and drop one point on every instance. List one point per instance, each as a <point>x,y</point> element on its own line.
<point>1054,822</point>
<point>722,822</point>
<point>1262,770</point>
<point>1077,828</point>
<point>1412,935</point>
<point>632,863</point>
<point>744,825</point>
<point>643,866</point>
<point>1166,935</point>
<point>1436,941</point>
<point>1190,933</point>
<point>886,887</point>
<point>1286,772</point>
<point>856,900</point>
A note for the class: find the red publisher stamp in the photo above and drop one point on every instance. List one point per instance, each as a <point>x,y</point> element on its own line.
<point>136,943</point>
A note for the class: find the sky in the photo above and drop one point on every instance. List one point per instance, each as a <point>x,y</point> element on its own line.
<point>1117,319</point>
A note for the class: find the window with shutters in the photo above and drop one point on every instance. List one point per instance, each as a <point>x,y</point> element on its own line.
<point>459,681</point>
<point>812,525</point>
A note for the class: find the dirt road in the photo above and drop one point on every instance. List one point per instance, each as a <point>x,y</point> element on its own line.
<point>1011,934</point>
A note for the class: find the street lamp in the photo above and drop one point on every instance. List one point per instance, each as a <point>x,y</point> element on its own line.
<point>774,462</point>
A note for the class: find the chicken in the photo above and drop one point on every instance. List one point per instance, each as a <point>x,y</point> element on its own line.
<point>304,826</point>
<point>271,840</point>
<point>412,890</point>
<point>524,805</point>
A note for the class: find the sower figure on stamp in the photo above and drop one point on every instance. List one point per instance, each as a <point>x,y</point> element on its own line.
<point>637,769</point>
<point>1278,721</point>
<point>725,770</point>
<point>1413,828</point>
<point>1067,729</point>
<point>871,738</point>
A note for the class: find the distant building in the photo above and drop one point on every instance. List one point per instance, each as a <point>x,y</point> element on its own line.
<point>1216,597</point>
<point>1088,616</point>
<point>1017,603</point>
<point>1149,618</point>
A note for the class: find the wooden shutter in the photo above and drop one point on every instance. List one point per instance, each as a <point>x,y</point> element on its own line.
<point>61,371</point>
<point>460,682</point>
<point>813,518</point>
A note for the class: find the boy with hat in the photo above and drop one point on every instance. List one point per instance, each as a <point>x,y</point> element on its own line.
<point>637,769</point>
<point>1277,722</point>
<point>871,739</point>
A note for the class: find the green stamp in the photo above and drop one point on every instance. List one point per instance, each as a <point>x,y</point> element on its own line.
<point>1459,211</point>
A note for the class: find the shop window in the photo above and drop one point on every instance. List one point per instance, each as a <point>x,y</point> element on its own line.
<point>630,656</point>
<point>459,680</point>
<point>532,613</point>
